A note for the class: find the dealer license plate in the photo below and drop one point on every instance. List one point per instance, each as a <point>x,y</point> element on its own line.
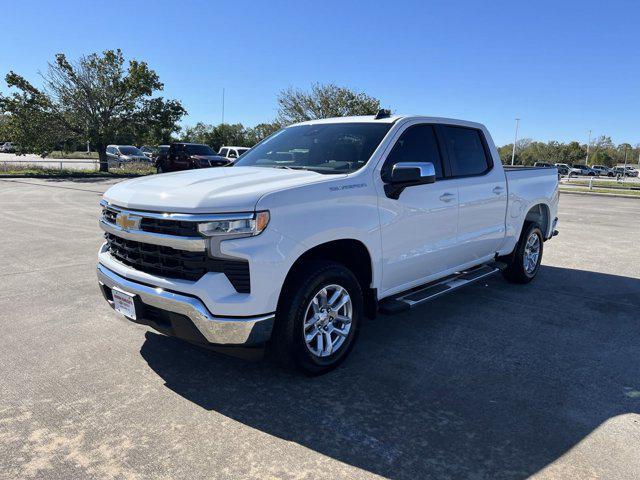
<point>123,303</point>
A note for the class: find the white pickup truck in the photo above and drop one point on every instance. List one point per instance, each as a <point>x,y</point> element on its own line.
<point>318,226</point>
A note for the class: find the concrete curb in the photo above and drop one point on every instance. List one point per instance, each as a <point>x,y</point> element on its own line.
<point>97,177</point>
<point>596,194</point>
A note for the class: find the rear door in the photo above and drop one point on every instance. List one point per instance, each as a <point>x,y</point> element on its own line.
<point>482,193</point>
<point>418,229</point>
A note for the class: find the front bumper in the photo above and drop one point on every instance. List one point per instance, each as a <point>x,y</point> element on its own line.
<point>185,316</point>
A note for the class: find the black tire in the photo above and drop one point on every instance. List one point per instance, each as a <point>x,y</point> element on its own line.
<point>159,169</point>
<point>516,271</point>
<point>288,344</point>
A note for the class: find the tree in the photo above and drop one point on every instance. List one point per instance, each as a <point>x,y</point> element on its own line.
<point>323,101</point>
<point>92,99</point>
<point>228,134</point>
<point>260,132</point>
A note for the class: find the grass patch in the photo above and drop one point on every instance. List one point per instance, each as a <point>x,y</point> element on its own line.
<point>73,155</point>
<point>26,170</point>
<point>604,183</point>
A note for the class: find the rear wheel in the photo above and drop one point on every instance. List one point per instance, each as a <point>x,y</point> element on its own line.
<point>523,264</point>
<point>318,318</point>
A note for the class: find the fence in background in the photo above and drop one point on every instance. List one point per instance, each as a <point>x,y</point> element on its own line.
<point>52,163</point>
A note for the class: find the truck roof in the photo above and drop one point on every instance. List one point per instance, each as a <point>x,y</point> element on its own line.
<point>392,119</point>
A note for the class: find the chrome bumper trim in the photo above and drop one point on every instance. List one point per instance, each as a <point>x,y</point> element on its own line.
<point>191,244</point>
<point>217,330</point>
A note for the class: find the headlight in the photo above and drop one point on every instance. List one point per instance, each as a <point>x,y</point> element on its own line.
<point>238,226</point>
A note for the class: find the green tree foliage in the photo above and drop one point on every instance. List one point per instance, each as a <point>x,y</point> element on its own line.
<point>323,101</point>
<point>601,152</point>
<point>226,134</point>
<point>95,99</point>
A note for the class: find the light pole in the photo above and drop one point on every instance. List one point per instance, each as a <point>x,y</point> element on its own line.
<point>222,106</point>
<point>586,160</point>
<point>515,140</point>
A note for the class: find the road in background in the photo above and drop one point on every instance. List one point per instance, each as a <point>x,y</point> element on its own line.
<point>493,381</point>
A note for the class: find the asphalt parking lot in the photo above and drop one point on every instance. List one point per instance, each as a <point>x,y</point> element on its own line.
<point>495,381</point>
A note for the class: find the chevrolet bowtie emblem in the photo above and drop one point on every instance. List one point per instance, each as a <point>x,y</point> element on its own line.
<point>127,222</point>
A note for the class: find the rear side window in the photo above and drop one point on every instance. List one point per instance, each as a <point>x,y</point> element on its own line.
<point>466,151</point>
<point>416,144</point>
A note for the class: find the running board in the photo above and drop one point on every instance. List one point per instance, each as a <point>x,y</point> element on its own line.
<point>419,295</point>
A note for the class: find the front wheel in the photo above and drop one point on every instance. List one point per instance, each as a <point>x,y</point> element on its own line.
<point>318,318</point>
<point>523,264</point>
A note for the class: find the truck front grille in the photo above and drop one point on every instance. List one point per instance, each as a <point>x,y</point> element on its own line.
<point>170,227</point>
<point>157,225</point>
<point>169,262</point>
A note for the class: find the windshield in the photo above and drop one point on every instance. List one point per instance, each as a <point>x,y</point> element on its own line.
<point>325,148</point>
<point>130,151</point>
<point>199,150</point>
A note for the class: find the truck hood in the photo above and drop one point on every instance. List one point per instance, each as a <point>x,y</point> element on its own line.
<point>210,190</point>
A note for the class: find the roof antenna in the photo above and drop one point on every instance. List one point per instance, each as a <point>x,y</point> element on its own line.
<point>383,113</point>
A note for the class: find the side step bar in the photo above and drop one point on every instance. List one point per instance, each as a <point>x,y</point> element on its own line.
<point>419,295</point>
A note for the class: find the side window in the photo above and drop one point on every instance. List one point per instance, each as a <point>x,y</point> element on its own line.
<point>416,144</point>
<point>224,152</point>
<point>466,151</point>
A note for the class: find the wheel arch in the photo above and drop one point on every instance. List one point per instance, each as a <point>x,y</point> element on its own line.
<point>349,252</point>
<point>540,214</point>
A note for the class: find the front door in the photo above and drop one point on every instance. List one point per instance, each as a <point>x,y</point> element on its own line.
<point>418,229</point>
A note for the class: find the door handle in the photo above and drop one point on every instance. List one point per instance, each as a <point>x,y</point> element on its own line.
<point>447,197</point>
<point>498,190</point>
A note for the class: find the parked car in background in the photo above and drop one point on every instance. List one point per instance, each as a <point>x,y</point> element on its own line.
<point>232,152</point>
<point>7,147</point>
<point>600,169</point>
<point>187,156</point>
<point>579,169</point>
<point>121,154</point>
<point>563,168</point>
<point>622,171</point>
<point>542,165</point>
<point>149,152</point>
<point>161,153</point>
<point>616,171</point>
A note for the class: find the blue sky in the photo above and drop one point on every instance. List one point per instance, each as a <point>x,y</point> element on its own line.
<point>563,67</point>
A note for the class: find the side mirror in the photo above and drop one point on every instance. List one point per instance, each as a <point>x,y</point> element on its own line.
<point>408,174</point>
<point>413,173</point>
